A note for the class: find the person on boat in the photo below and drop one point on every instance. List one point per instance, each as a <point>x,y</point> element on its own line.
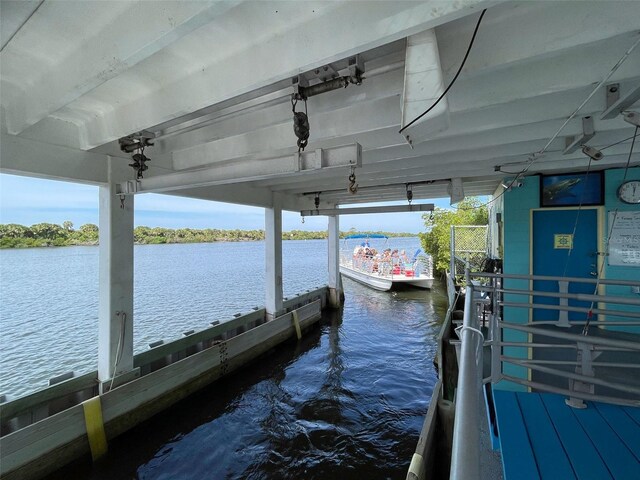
<point>403,257</point>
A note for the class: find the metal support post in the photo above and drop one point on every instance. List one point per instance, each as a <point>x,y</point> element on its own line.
<point>115,335</point>
<point>336,294</point>
<point>273,257</point>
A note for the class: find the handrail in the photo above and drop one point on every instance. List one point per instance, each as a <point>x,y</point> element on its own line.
<point>601,281</point>
<point>607,342</point>
<point>465,455</point>
<point>566,308</point>
<point>576,371</point>
<point>584,297</point>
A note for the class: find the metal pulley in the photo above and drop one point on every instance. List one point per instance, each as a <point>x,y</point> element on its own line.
<point>300,124</point>
<point>409,193</point>
<point>139,163</point>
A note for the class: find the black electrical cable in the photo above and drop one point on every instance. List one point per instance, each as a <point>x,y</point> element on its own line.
<point>452,81</point>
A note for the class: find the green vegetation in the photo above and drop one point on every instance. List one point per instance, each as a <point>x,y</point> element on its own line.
<point>51,235</point>
<point>436,240</point>
<point>47,235</point>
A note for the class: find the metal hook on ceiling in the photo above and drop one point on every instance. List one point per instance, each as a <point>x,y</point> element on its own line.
<point>409,193</point>
<point>353,186</point>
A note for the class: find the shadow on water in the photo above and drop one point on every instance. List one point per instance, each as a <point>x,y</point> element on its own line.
<point>347,401</point>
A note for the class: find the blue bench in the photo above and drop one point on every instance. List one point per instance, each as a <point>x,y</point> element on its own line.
<point>543,438</point>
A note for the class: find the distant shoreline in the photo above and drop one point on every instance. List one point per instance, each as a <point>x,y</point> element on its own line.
<point>52,235</point>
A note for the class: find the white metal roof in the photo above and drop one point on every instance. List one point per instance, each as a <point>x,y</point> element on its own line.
<point>212,81</point>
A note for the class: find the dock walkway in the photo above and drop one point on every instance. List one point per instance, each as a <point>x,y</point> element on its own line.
<point>543,438</point>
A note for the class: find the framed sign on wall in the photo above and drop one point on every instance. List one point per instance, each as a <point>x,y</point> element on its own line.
<point>624,244</point>
<point>571,189</point>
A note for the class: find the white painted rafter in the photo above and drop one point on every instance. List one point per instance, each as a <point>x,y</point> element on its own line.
<point>297,164</point>
<point>116,36</point>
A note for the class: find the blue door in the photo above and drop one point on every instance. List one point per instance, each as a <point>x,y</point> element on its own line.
<point>553,234</point>
<point>552,237</point>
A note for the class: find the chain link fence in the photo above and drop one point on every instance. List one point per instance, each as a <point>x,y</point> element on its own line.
<point>468,247</point>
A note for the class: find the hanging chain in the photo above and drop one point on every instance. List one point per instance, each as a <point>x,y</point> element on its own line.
<point>300,123</point>
<point>353,186</point>
<point>122,197</point>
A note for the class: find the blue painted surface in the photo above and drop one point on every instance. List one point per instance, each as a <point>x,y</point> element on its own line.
<point>579,261</point>
<point>518,462</point>
<point>613,179</point>
<point>517,246</point>
<point>627,430</point>
<point>619,459</point>
<point>517,206</point>
<point>582,454</point>
<point>633,413</point>
<point>547,448</point>
<point>563,442</point>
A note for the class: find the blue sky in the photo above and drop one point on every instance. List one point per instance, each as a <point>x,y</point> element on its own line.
<point>27,201</point>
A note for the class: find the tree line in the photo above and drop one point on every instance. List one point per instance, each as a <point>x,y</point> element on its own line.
<point>52,235</point>
<point>437,239</point>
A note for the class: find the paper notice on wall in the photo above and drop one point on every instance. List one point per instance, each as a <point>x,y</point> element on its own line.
<point>624,244</point>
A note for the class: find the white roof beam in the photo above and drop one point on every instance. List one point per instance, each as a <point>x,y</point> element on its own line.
<point>534,29</point>
<point>335,36</point>
<point>293,164</point>
<point>618,101</point>
<point>540,76</point>
<point>133,32</point>
<point>280,139</point>
<point>439,169</point>
<point>25,157</point>
<point>254,115</point>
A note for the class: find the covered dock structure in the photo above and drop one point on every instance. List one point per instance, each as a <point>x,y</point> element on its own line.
<point>306,107</point>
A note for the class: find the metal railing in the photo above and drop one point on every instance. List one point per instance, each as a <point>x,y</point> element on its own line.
<point>421,266</point>
<point>588,352</point>
<point>468,249</point>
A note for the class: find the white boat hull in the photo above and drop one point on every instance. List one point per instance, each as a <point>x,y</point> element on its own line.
<point>384,282</point>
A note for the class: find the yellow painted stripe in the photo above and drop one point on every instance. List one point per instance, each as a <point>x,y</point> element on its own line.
<point>297,324</point>
<point>95,427</point>
<point>417,466</point>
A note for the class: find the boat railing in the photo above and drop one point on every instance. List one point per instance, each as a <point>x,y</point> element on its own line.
<point>585,346</point>
<point>421,266</point>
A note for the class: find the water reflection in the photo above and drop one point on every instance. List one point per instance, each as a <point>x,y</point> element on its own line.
<point>347,401</point>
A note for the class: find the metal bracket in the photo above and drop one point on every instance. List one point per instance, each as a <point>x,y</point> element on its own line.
<point>128,187</point>
<point>586,356</point>
<point>616,102</point>
<point>588,131</point>
<point>329,79</point>
<point>633,118</point>
<point>136,141</point>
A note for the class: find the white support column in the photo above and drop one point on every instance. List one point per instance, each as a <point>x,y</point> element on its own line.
<point>336,294</point>
<point>115,337</point>
<point>273,256</point>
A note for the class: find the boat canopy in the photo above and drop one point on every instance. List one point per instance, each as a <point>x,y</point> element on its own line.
<point>364,235</point>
